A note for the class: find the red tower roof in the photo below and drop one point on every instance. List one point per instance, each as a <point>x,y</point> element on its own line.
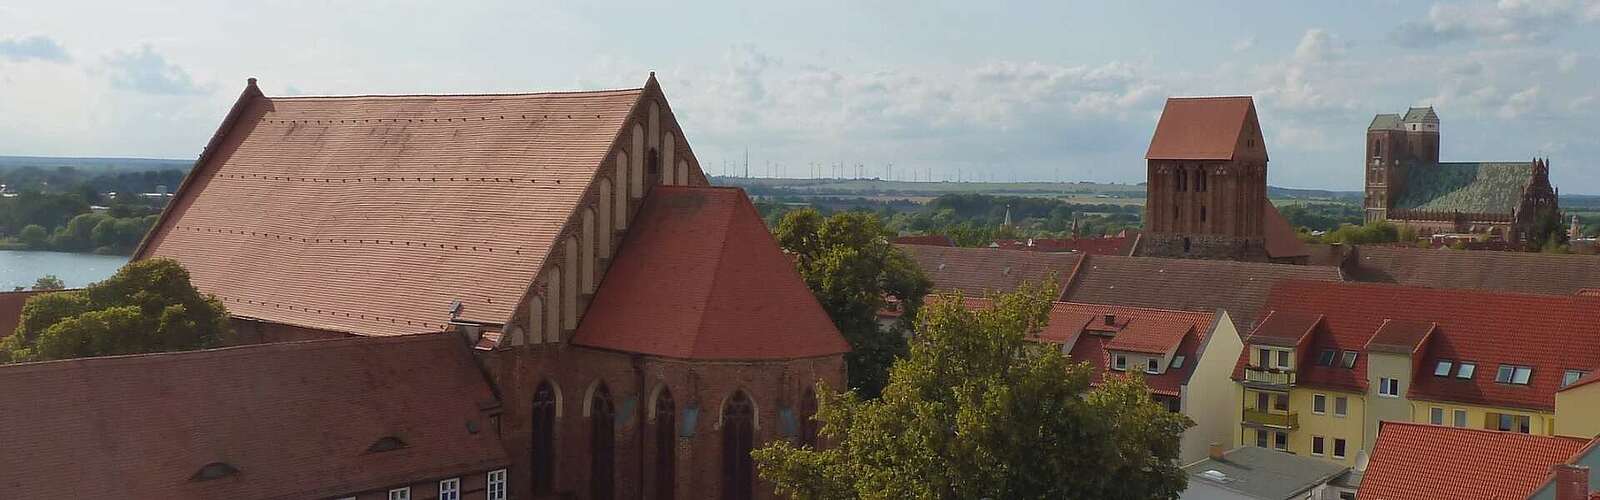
<point>1200,128</point>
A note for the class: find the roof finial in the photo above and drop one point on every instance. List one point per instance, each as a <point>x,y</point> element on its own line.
<point>250,82</point>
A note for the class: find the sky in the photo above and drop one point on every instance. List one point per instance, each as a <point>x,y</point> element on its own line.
<point>1060,90</point>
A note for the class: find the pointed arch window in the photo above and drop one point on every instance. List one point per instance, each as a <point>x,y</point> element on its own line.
<point>544,437</point>
<point>666,445</point>
<point>738,438</point>
<point>602,443</point>
<point>653,162</point>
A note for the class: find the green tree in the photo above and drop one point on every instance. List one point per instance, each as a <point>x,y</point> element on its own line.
<point>980,411</point>
<point>35,237</point>
<point>49,282</point>
<point>853,270</point>
<point>147,306</point>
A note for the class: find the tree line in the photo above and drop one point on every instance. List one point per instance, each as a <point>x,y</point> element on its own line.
<point>34,220</point>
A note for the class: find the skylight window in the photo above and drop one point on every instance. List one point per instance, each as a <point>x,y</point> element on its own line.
<point>1522,375</point>
<point>1513,374</point>
<point>1466,369</point>
<point>1504,375</point>
<point>1349,360</point>
<point>1442,369</point>
<point>1571,376</point>
<point>1326,358</point>
<point>1177,362</point>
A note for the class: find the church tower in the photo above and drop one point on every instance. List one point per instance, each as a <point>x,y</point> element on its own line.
<point>1207,188</point>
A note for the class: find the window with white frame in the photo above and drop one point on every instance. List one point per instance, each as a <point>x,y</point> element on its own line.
<point>1466,369</point>
<point>1461,418</point>
<point>1152,366</point>
<point>1513,374</point>
<point>1388,387</point>
<point>1349,360</point>
<point>1442,369</point>
<point>1177,362</point>
<point>1319,403</point>
<point>450,489</point>
<point>1283,360</point>
<point>1121,363</point>
<point>1327,357</point>
<point>1436,416</point>
<point>1280,441</point>
<point>497,485</point>
<point>400,493</point>
<point>1341,406</point>
<point>1317,448</point>
<point>1338,448</point>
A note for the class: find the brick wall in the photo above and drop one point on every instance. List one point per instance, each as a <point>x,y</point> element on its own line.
<point>774,386</point>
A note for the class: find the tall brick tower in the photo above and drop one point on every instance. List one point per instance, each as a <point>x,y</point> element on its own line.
<point>1207,190</point>
<point>1395,144</point>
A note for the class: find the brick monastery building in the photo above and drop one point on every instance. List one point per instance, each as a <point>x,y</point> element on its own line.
<point>1206,196</point>
<point>460,296</point>
<point>1407,184</point>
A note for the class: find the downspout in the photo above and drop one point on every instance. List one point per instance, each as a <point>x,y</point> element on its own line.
<point>638,372</point>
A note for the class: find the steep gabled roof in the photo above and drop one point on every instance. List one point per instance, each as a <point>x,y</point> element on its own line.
<point>1519,272</point>
<point>699,277</point>
<point>1548,333</point>
<point>1186,284</point>
<point>1468,187</point>
<point>1421,115</point>
<point>1200,128</point>
<point>980,271</point>
<point>1420,462</point>
<point>289,420</point>
<point>1385,122</point>
<point>371,214</point>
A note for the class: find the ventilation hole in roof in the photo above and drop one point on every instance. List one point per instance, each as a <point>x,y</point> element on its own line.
<point>386,443</point>
<point>213,470</point>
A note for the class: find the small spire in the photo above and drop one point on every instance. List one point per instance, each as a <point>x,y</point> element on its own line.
<point>250,82</point>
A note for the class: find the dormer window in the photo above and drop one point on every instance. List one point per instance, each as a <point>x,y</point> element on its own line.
<point>1121,363</point>
<point>1571,376</point>
<point>1442,369</point>
<point>1152,366</point>
<point>1326,358</point>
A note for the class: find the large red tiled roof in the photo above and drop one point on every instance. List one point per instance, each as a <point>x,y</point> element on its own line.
<point>1285,328</point>
<point>295,420</point>
<point>980,271</point>
<point>1549,333</point>
<point>699,277</point>
<point>1186,284</point>
<point>1091,246</point>
<point>1520,272</point>
<point>371,214</point>
<point>1424,462</point>
<point>1136,329</point>
<point>1199,128</point>
<point>1401,336</point>
<point>1281,238</point>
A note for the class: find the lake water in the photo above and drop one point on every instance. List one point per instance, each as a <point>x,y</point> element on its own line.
<point>75,269</point>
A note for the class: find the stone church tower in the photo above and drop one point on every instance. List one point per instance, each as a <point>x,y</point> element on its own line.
<point>1207,167</point>
<point>1394,144</point>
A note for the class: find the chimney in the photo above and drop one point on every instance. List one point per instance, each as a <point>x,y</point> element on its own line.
<point>1215,450</point>
<point>1111,319</point>
<point>1572,482</point>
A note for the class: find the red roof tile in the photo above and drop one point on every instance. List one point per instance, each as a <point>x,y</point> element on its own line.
<point>937,240</point>
<point>1401,336</point>
<point>1520,272</point>
<point>1186,284</point>
<point>700,277</point>
<point>1200,128</point>
<point>1424,462</point>
<point>980,271</point>
<point>371,214</point>
<point>1281,239</point>
<point>1285,328</point>
<point>1550,333</point>
<point>295,419</point>
<point>1091,246</point>
<point>1081,326</point>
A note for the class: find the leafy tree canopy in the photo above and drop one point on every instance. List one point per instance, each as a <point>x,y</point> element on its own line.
<point>980,411</point>
<point>148,306</point>
<point>49,282</point>
<point>853,270</point>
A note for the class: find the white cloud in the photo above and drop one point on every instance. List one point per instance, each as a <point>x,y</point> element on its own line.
<point>1504,21</point>
<point>1520,103</point>
<point>36,47</point>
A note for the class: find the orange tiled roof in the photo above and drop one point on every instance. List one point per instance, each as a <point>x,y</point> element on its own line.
<point>295,419</point>
<point>1549,333</point>
<point>1281,239</point>
<point>1423,462</point>
<point>1520,272</point>
<point>1081,328</point>
<point>1185,284</point>
<point>700,277</point>
<point>371,214</point>
<point>1199,128</point>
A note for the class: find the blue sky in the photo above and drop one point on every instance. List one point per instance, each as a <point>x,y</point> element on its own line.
<point>1048,91</point>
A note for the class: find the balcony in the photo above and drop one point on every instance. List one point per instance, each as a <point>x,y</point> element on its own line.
<point>1268,378</point>
<point>1277,419</point>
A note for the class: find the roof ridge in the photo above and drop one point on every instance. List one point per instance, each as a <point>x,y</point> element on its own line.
<point>1139,308</point>
<point>555,93</point>
<point>1507,434</point>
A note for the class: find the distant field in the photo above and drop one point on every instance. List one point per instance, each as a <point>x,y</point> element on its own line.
<point>1073,192</point>
<point>117,164</point>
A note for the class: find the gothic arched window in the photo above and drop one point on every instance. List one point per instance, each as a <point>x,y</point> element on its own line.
<point>544,437</point>
<point>666,445</point>
<point>602,445</point>
<point>738,438</point>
